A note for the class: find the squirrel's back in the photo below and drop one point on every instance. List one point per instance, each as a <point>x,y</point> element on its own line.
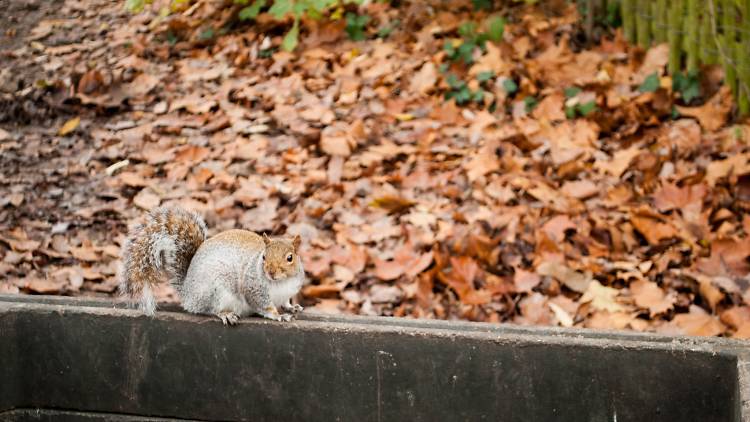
<point>241,239</point>
<point>162,246</point>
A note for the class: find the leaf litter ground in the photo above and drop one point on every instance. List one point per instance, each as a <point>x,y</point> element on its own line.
<point>576,190</point>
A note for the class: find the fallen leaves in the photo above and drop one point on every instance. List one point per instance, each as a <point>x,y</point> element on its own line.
<point>697,322</point>
<point>601,297</point>
<point>69,126</point>
<point>425,79</point>
<point>574,280</point>
<point>405,262</point>
<point>146,199</point>
<point>521,205</point>
<point>648,295</point>
<point>653,227</point>
<point>712,115</point>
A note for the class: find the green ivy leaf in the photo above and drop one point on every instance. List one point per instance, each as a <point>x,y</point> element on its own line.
<point>585,109</point>
<point>466,52</point>
<point>572,91</point>
<point>289,43</point>
<point>530,103</point>
<point>450,51</point>
<point>134,6</point>
<point>482,4</point>
<point>386,30</point>
<point>688,85</point>
<point>570,112</point>
<point>355,26</point>
<point>485,76</point>
<point>496,28</point>
<point>651,83</point>
<point>206,34</point>
<point>467,29</point>
<point>280,8</point>
<point>509,85</point>
<point>454,82</point>
<point>252,11</point>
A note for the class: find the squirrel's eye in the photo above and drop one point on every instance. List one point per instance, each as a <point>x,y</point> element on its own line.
<point>289,258</point>
<point>263,257</point>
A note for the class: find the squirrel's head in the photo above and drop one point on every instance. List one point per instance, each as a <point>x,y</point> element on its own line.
<point>281,259</point>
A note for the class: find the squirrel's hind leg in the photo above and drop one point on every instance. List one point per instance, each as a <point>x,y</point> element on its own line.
<point>228,317</point>
<point>228,307</point>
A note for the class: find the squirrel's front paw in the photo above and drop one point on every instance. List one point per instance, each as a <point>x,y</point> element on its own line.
<point>295,309</point>
<point>228,318</point>
<point>272,313</point>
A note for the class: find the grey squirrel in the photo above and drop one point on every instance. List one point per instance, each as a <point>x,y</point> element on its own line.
<point>233,274</point>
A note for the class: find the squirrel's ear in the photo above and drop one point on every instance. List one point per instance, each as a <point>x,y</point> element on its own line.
<point>296,242</point>
<point>266,239</point>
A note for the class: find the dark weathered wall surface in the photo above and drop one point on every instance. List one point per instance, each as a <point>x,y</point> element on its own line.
<point>94,358</point>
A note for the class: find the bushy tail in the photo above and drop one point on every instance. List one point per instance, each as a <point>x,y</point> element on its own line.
<point>161,247</point>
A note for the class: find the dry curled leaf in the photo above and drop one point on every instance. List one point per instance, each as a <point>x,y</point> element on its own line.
<point>649,295</point>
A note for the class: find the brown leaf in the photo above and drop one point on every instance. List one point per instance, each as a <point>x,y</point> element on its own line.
<point>91,81</point>
<point>653,229</point>
<point>133,179</point>
<point>192,154</point>
<point>425,79</point>
<point>728,257</point>
<point>603,320</point>
<point>21,244</point>
<point>534,310</point>
<point>620,162</point>
<point>736,317</point>
<point>550,108</point>
<point>327,306</point>
<point>337,140</point>
<point>574,280</point>
<point>649,295</point>
<point>743,332</point>
<point>557,226</point>
<point>84,253</point>
<point>321,290</point>
<point>380,293</point>
<point>392,203</point>
<point>656,58</point>
<point>353,257</point>
<point>481,164</point>
<point>563,317</point>
<point>580,189</point>
<point>698,323</point>
<point>524,281</point>
<point>141,85</point>
<point>710,293</point>
<point>464,270</point>
<point>670,196</point>
<point>43,286</point>
<point>146,199</point>
<point>713,114</point>
<point>602,298</point>
<point>736,164</point>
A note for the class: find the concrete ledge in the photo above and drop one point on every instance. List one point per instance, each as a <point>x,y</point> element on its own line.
<point>87,358</point>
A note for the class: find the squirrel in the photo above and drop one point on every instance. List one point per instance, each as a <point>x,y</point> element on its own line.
<point>233,274</point>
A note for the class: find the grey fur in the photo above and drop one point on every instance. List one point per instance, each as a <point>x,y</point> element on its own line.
<point>211,276</point>
<point>225,280</point>
<point>169,253</point>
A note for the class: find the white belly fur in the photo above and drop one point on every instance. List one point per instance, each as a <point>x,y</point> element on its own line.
<point>282,291</point>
